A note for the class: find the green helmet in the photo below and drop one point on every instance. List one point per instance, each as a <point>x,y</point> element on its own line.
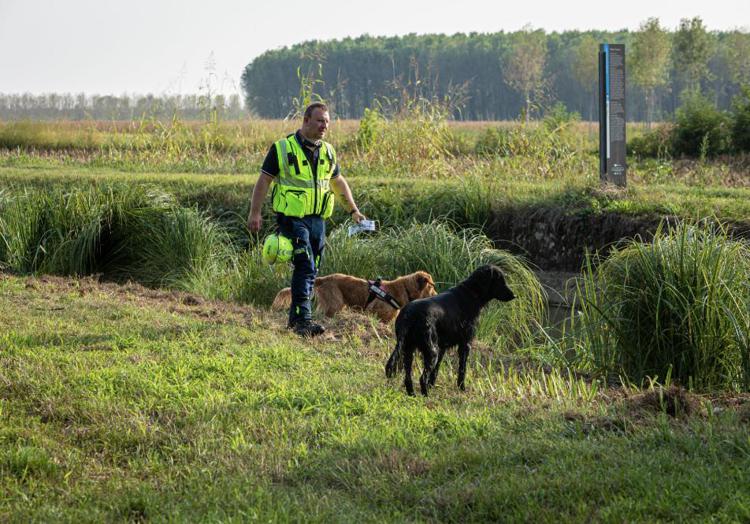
<point>277,248</point>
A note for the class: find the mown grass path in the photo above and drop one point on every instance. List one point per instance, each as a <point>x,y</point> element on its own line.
<point>122,403</point>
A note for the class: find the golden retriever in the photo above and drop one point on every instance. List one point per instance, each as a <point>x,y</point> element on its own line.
<point>336,291</point>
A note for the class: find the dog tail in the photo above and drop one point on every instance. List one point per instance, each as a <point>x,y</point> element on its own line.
<point>396,360</point>
<point>283,299</point>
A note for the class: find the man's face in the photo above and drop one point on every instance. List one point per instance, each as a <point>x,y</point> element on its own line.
<point>316,126</point>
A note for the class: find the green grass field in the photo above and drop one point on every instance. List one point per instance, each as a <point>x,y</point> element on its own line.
<point>120,402</point>
<point>123,403</point>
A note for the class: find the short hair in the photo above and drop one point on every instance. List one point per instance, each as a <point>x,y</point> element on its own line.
<point>312,107</point>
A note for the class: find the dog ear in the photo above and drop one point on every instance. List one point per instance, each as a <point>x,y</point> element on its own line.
<point>424,280</point>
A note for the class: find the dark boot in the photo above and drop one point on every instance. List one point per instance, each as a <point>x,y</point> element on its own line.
<point>307,328</point>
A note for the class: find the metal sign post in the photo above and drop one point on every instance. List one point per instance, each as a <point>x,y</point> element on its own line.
<point>612,165</point>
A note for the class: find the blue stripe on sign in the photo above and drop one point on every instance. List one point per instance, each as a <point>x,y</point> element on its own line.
<point>606,91</point>
<point>606,70</point>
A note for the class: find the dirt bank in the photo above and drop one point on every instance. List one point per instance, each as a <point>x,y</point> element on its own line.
<point>554,240</point>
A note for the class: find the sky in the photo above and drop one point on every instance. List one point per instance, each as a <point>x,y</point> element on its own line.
<point>169,47</point>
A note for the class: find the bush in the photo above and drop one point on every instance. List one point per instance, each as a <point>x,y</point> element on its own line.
<point>656,143</point>
<point>371,126</point>
<point>701,130</point>
<point>558,118</point>
<point>741,121</point>
<point>677,306</point>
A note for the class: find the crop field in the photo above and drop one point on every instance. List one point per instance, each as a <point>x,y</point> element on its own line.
<point>143,375</point>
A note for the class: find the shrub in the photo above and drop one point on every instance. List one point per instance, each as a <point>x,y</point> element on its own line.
<point>701,130</point>
<point>656,143</point>
<point>741,121</point>
<point>558,118</point>
<point>370,128</point>
<point>679,306</point>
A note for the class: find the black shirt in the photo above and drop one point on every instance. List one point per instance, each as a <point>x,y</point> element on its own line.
<point>271,162</point>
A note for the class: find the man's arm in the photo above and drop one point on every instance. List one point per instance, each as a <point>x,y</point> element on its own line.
<point>254,219</point>
<point>341,189</point>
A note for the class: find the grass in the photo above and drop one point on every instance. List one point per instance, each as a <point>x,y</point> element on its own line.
<point>123,231</point>
<point>137,233</point>
<point>677,307</point>
<point>449,254</point>
<point>469,200</point>
<point>130,404</point>
<point>121,403</point>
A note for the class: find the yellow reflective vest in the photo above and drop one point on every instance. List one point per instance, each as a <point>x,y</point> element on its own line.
<point>297,191</point>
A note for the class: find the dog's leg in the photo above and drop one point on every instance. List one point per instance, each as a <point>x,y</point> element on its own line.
<point>430,359</point>
<point>408,352</point>
<point>393,362</point>
<point>463,354</point>
<point>433,375</point>
<point>329,301</point>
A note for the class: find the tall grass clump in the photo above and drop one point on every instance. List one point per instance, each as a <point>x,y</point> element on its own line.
<point>48,136</point>
<point>552,140</point>
<point>412,141</point>
<point>676,307</point>
<point>449,255</point>
<point>123,232</point>
<point>170,249</point>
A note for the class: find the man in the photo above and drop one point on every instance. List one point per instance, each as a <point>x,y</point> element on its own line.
<point>302,169</point>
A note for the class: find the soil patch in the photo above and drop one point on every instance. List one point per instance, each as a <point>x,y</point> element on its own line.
<point>674,401</point>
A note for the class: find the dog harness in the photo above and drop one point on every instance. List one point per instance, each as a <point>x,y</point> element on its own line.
<point>377,291</point>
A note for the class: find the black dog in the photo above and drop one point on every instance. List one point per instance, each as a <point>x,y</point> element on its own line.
<point>434,324</point>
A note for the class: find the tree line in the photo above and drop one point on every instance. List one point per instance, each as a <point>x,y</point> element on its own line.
<point>501,75</point>
<point>53,106</point>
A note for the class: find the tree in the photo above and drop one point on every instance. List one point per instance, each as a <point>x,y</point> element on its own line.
<point>737,55</point>
<point>523,67</point>
<point>692,50</point>
<point>235,106</point>
<point>649,61</point>
<point>586,68</point>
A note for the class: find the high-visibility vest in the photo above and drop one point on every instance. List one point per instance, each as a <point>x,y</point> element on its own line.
<point>297,191</point>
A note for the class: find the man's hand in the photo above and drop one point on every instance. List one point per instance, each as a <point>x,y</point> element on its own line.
<point>254,223</point>
<point>358,217</point>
